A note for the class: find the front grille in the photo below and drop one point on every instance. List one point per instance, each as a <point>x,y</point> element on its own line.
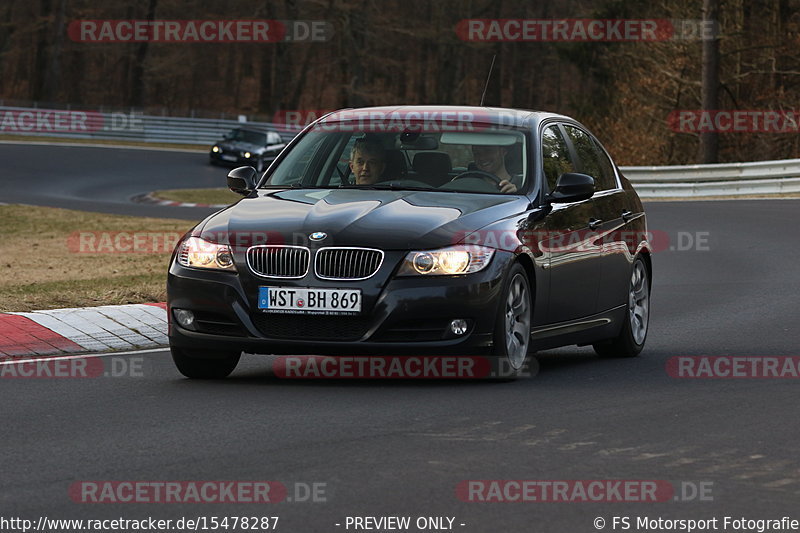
<point>274,261</point>
<point>347,263</point>
<point>315,327</point>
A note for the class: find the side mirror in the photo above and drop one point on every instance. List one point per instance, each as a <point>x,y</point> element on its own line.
<point>572,187</point>
<point>242,180</point>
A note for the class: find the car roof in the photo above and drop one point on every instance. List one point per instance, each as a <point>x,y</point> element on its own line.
<point>488,115</point>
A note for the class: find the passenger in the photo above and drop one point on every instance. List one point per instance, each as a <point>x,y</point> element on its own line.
<point>367,161</point>
<point>491,159</point>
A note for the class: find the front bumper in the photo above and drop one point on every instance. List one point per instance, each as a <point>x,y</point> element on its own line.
<point>400,316</point>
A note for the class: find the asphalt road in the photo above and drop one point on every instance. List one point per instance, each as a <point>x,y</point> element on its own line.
<point>400,448</point>
<point>103,179</point>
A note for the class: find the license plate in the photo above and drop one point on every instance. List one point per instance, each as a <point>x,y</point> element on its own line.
<point>308,300</point>
<point>228,157</point>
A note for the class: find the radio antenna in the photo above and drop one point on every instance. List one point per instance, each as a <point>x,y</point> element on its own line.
<point>488,77</point>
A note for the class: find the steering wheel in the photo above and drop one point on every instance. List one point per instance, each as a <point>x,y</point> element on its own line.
<point>478,174</point>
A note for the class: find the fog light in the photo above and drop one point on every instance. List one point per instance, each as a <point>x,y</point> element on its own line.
<point>458,326</point>
<point>184,317</point>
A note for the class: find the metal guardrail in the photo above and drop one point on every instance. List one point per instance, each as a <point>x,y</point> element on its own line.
<point>724,179</point>
<point>123,126</point>
<point>762,177</point>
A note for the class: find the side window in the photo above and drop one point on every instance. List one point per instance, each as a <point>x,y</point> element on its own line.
<point>555,156</point>
<point>296,167</point>
<point>591,162</point>
<point>609,177</point>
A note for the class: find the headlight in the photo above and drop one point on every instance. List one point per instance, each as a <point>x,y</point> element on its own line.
<point>215,149</point>
<point>247,155</point>
<point>198,253</point>
<point>446,262</point>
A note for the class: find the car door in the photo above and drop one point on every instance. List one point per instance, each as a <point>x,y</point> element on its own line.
<point>614,218</point>
<point>571,259</point>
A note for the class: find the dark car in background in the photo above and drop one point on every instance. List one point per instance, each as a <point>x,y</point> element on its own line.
<point>247,146</point>
<point>435,255</point>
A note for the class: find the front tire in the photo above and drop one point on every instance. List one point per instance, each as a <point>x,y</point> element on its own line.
<point>631,338</point>
<point>512,332</point>
<point>202,364</point>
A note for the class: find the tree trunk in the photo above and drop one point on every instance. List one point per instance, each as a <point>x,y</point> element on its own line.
<point>709,140</point>
<point>137,72</point>
<point>52,78</point>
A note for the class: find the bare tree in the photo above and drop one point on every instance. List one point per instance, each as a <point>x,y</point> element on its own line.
<point>709,140</point>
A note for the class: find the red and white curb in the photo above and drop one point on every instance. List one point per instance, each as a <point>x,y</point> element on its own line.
<point>84,329</point>
<point>154,200</point>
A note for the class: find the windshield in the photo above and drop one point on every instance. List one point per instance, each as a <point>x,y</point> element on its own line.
<point>489,160</point>
<point>250,137</point>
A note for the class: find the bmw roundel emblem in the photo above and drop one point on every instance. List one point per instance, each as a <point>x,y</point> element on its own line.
<point>317,235</point>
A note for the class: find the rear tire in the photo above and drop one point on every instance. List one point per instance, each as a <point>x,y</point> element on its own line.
<point>512,331</point>
<point>203,364</point>
<point>631,338</point>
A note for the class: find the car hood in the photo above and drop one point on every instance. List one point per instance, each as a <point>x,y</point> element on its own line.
<point>389,220</point>
<point>238,145</point>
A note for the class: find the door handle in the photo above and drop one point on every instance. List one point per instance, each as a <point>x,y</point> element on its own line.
<point>594,223</point>
<point>626,216</point>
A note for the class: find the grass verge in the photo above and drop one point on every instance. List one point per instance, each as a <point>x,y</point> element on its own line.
<point>215,196</point>
<point>52,258</point>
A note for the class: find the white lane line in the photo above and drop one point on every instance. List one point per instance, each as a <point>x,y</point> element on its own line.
<point>117,146</point>
<point>84,356</point>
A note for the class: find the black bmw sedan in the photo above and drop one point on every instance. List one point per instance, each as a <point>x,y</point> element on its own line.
<point>417,230</point>
<point>246,146</point>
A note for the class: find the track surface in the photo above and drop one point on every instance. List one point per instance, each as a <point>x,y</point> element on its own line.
<point>103,179</point>
<point>401,447</point>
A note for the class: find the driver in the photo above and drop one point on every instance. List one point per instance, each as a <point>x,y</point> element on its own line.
<point>491,159</point>
<point>367,161</point>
